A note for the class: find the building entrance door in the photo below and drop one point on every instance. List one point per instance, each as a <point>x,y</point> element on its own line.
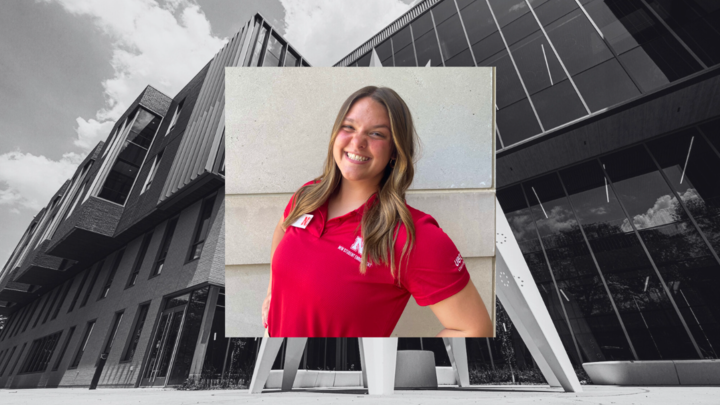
<point>164,347</point>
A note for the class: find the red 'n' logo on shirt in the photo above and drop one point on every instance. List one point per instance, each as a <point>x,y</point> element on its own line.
<point>305,221</point>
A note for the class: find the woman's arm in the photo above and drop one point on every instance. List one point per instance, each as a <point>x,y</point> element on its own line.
<point>463,315</point>
<point>277,237</point>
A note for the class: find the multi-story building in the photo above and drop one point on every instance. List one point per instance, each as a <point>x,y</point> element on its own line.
<point>608,117</point>
<point>119,280</point>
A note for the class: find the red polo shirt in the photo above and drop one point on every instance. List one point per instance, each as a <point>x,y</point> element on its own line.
<point>318,291</point>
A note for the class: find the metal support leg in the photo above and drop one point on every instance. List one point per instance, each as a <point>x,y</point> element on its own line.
<point>269,349</point>
<point>520,297</point>
<point>293,355</point>
<point>457,352</point>
<point>380,360</point>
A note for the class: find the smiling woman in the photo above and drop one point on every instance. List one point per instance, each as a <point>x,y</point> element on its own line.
<point>356,212</point>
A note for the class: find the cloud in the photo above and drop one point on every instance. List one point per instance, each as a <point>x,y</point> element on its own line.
<point>664,211</point>
<point>159,44</point>
<point>28,181</point>
<point>559,219</point>
<point>324,31</point>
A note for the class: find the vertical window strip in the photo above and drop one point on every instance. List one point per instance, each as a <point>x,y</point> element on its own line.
<point>21,317</point>
<point>46,297</point>
<point>64,349</point>
<point>31,313</point>
<point>164,247</point>
<point>79,290</point>
<point>66,289</point>
<point>139,260</point>
<point>111,276</point>
<point>59,215</point>
<point>8,324</point>
<point>134,338</point>
<point>202,229</point>
<point>111,335</point>
<point>83,344</point>
<point>56,294</point>
<point>8,361</point>
<point>152,172</point>
<point>98,269</point>
<point>17,359</point>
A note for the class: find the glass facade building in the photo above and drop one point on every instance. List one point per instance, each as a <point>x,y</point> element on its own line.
<point>612,195</point>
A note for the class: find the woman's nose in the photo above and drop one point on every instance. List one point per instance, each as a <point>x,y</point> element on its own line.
<point>359,140</point>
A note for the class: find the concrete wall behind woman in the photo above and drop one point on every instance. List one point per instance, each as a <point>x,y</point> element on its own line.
<point>278,124</point>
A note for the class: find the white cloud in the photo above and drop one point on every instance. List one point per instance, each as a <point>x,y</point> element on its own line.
<point>163,45</point>
<point>662,212</point>
<point>28,181</point>
<point>324,31</point>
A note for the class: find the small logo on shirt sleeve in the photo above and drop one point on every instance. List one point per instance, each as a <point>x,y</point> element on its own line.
<point>459,263</point>
<point>303,221</point>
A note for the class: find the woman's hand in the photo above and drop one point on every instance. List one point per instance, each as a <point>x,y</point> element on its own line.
<point>463,315</point>
<point>265,310</point>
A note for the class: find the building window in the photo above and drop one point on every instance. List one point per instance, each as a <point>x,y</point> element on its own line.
<point>111,336</point>
<point>134,338</point>
<point>122,175</point>
<point>47,300</point>
<point>41,350</point>
<point>106,289</point>
<point>66,290</point>
<point>64,349</point>
<point>79,290</point>
<point>17,360</point>
<point>56,294</point>
<point>164,247</point>
<point>138,261</point>
<point>98,269</point>
<point>8,361</point>
<point>201,229</point>
<point>83,344</point>
<point>175,117</point>
<point>153,171</point>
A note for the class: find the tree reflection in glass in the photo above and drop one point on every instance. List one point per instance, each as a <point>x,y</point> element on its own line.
<point>674,244</point>
<point>687,161</point>
<point>523,227</point>
<point>594,322</point>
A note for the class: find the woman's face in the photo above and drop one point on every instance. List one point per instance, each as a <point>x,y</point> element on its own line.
<point>363,147</point>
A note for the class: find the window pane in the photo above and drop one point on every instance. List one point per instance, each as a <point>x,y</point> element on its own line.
<point>487,48</point>
<point>422,25</point>
<point>685,19</point>
<point>520,28</point>
<point>464,58</point>
<point>290,59</point>
<point>365,59</point>
<point>384,50</point>
<point>405,57</point>
<point>452,37</point>
<point>401,39</point>
<point>581,291</point>
<point>444,10</point>
<point>643,69</point>
<point>687,161</point>
<point>558,105</point>
<point>650,320</point>
<point>478,21</point>
<point>507,11</point>
<point>427,49</point>
<point>258,47</point>
<point>143,130</point>
<point>518,122</point>
<point>274,50</point>
<point>509,88</point>
<point>605,85</point>
<point>577,42</point>
<point>137,331</point>
<point>537,63</point>
<point>552,10</point>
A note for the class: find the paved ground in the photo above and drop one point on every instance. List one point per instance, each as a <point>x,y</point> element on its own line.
<point>474,395</point>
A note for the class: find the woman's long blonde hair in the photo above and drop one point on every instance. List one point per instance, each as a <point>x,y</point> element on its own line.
<point>381,221</point>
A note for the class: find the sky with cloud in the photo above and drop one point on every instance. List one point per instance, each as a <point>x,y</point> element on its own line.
<point>71,68</point>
